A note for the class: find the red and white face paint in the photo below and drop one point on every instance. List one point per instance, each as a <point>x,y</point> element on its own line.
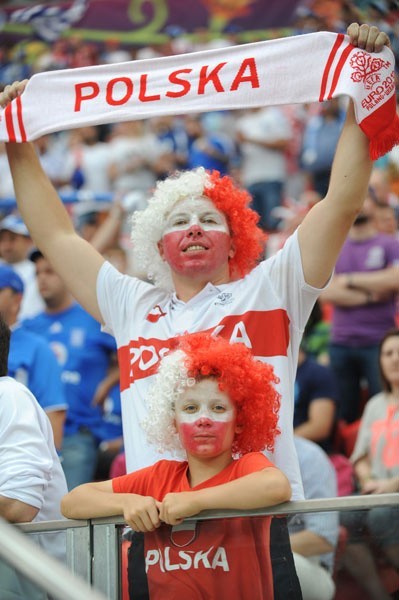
<point>205,420</point>
<point>196,237</point>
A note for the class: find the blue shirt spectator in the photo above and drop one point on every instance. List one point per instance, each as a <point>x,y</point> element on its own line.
<point>83,352</point>
<point>29,354</point>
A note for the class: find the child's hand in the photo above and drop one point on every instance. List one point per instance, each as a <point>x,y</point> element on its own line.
<point>141,512</point>
<point>177,506</point>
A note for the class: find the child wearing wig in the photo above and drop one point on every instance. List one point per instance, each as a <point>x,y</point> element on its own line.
<point>220,405</point>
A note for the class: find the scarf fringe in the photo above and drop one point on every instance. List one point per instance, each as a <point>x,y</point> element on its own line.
<point>383,141</point>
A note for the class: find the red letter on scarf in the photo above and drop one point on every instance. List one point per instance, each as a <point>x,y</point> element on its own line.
<point>205,78</point>
<point>110,88</point>
<point>240,77</point>
<point>95,90</point>
<point>143,89</point>
<point>186,85</point>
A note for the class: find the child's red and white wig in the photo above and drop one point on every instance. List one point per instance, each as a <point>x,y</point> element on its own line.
<point>148,225</point>
<point>249,383</point>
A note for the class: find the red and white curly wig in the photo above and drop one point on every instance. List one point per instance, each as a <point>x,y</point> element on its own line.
<point>249,383</point>
<point>148,225</point>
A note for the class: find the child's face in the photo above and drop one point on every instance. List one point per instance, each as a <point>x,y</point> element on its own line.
<point>205,419</point>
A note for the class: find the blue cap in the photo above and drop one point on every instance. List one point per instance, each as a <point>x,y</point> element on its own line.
<point>14,224</point>
<point>10,279</point>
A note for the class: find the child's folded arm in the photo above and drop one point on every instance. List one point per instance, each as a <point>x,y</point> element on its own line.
<point>255,490</point>
<point>93,500</point>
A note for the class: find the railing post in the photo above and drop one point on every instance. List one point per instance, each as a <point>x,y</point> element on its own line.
<point>79,552</point>
<point>106,564</point>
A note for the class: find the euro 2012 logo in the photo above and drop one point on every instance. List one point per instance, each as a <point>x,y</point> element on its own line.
<point>366,69</point>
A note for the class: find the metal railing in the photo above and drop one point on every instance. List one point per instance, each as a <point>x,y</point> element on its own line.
<point>93,546</point>
<point>47,573</point>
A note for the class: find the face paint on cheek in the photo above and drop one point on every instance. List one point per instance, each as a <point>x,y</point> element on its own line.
<point>204,434</point>
<point>208,250</point>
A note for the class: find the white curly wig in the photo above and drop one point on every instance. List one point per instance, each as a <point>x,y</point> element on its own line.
<point>148,224</point>
<point>171,381</point>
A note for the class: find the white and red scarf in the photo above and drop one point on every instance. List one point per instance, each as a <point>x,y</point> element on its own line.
<point>308,68</point>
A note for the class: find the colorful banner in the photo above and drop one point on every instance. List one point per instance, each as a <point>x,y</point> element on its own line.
<point>151,21</point>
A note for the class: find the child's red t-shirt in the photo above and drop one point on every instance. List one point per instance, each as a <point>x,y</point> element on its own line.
<point>222,558</point>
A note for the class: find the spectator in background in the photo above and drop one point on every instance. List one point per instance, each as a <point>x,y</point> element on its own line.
<point>306,21</point>
<point>6,184</point>
<point>381,188</point>
<point>53,159</point>
<point>264,135</point>
<point>316,337</point>
<point>211,150</point>
<point>16,67</point>
<point>57,56</point>
<point>392,168</point>
<point>363,294</point>
<point>31,361</point>
<point>376,464</point>
<point>83,353</point>
<point>314,536</point>
<point>88,217</point>
<point>108,395</point>
<point>15,244</point>
<point>84,54</point>
<point>87,161</point>
<point>385,220</point>
<point>171,133</point>
<point>298,116</point>
<point>31,479</point>
<point>320,140</point>
<point>4,62</point>
<point>136,158</point>
<point>316,399</point>
<point>290,215</point>
<point>113,52</point>
<point>377,14</point>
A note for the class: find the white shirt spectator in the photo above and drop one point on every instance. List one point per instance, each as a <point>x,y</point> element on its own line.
<point>260,163</point>
<point>30,470</point>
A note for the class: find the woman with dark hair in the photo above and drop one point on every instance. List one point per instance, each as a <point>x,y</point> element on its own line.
<point>376,463</point>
